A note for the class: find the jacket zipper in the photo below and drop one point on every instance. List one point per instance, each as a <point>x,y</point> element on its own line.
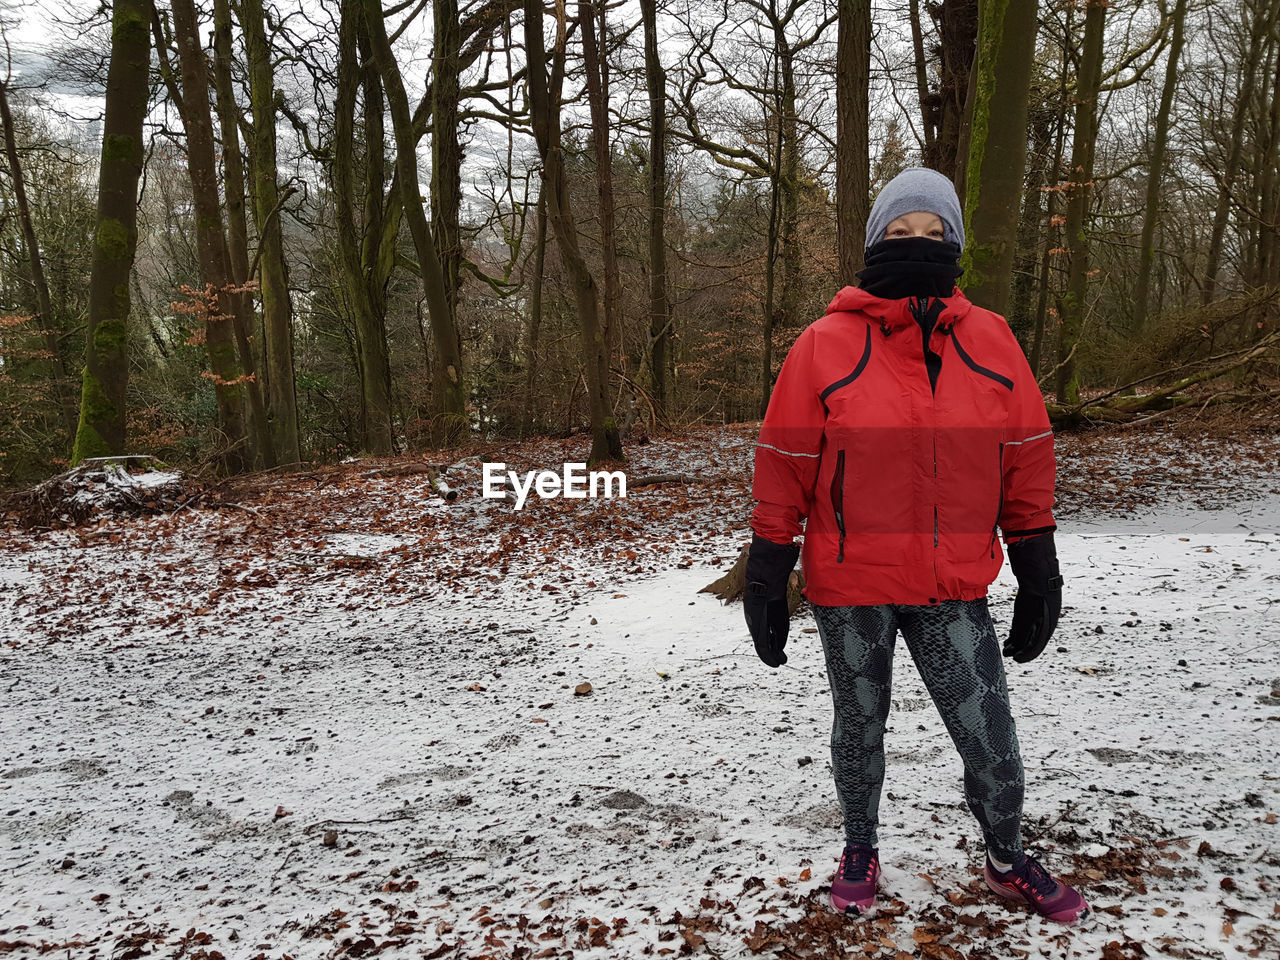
<point>1000,503</point>
<point>837,501</point>
<point>918,309</point>
<point>935,489</point>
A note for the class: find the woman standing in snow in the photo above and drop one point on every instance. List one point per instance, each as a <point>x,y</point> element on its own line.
<point>906,430</point>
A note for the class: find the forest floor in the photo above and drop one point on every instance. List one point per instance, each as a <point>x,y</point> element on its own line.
<point>340,719</point>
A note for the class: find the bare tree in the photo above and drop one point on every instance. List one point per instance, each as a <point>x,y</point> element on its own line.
<point>365,245</point>
<point>1083,148</point>
<point>596,64</point>
<point>277,307</point>
<point>946,109</point>
<point>211,241</point>
<point>1262,16</point>
<point>768,81</point>
<point>544,101</point>
<point>1155,171</point>
<point>533,327</point>
<point>45,316</point>
<point>660,339</point>
<point>1268,272</point>
<point>449,393</point>
<point>236,201</point>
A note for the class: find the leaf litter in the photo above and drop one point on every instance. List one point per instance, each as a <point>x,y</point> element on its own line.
<point>344,720</point>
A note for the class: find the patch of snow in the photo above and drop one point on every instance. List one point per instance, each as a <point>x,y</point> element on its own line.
<point>362,544</point>
<point>154,478</point>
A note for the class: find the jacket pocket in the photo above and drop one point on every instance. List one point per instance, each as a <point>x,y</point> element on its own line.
<point>1000,502</point>
<point>837,501</point>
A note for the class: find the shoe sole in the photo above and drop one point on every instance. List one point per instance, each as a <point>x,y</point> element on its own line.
<point>853,908</point>
<point>1067,918</point>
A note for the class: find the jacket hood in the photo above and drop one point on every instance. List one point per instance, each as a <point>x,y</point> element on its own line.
<point>897,313</point>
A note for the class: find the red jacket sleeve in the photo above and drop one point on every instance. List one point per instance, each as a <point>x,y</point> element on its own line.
<point>1030,466</point>
<point>790,447</point>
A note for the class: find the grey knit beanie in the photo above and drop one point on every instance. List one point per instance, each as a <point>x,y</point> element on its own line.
<point>917,188</point>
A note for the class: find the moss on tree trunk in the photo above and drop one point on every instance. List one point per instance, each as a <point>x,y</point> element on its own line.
<point>101,429</point>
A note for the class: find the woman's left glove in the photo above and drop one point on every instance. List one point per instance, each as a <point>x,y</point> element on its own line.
<point>1036,607</point>
<point>764,600</point>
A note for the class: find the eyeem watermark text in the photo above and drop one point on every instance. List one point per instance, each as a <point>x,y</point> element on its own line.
<point>574,483</point>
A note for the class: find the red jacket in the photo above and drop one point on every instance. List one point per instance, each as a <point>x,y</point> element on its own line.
<point>903,486</point>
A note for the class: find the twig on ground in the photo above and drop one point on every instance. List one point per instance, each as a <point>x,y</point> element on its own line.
<point>1053,823</point>
<point>349,823</point>
<point>239,506</point>
<point>275,874</point>
<point>654,479</point>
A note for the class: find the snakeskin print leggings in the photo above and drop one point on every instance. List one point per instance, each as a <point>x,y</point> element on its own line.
<point>955,649</point>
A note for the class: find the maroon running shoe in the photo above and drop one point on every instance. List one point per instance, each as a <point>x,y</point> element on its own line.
<point>1028,882</point>
<point>853,888</point>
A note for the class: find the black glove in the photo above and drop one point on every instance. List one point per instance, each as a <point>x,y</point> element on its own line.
<point>764,601</point>
<point>1034,562</point>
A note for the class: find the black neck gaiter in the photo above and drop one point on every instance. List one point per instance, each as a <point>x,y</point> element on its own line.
<point>911,267</point>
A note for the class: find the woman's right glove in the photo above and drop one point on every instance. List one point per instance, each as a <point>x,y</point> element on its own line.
<point>1036,607</point>
<point>764,600</point>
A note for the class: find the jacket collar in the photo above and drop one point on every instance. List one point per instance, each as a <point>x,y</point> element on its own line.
<point>894,314</point>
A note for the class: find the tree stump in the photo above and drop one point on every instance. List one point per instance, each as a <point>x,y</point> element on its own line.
<point>730,586</point>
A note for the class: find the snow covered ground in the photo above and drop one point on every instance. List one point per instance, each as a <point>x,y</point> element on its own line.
<point>342,721</point>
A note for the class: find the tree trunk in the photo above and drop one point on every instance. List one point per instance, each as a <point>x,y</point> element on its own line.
<point>277,310</point>
<point>381,228</point>
<point>45,319</point>
<point>659,311</point>
<point>382,210</point>
<point>1120,404</point>
<point>853,149</point>
<point>449,393</point>
<point>1051,212</point>
<point>544,102</point>
<point>770,272</point>
<point>597,67</point>
<point>210,240</point>
<point>959,168</point>
<point>535,316</point>
<point>958,28</point>
<point>371,340</point>
<point>1031,225</point>
<point>1046,277</point>
<point>1155,171</point>
<point>997,149</point>
<point>101,429</point>
<point>1083,144</point>
<point>788,182</point>
<point>446,149</point>
<point>237,238</point>
<point>1268,273</point>
<point>928,101</point>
